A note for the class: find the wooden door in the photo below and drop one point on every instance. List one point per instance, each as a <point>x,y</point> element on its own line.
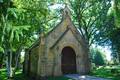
<point>68,61</point>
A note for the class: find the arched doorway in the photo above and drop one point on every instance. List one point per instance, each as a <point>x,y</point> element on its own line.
<point>68,61</point>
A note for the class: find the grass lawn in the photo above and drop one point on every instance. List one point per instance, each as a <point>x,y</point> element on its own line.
<point>20,76</point>
<point>106,73</point>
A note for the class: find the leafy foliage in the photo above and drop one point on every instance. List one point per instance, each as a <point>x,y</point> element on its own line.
<point>16,18</point>
<point>98,59</point>
<point>89,16</point>
<point>97,56</point>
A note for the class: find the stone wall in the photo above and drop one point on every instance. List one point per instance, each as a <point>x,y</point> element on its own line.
<point>26,62</point>
<point>34,61</point>
<point>53,61</point>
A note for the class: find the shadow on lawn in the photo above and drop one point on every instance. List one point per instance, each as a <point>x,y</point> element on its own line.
<point>18,75</point>
<point>21,77</point>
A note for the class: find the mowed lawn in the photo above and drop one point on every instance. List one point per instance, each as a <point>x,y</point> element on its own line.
<point>20,76</point>
<point>106,73</point>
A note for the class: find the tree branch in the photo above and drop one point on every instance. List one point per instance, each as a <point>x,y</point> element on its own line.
<point>95,21</point>
<point>49,20</point>
<point>86,8</point>
<point>92,30</point>
<point>91,42</point>
<point>85,27</point>
<point>78,17</point>
<point>88,24</point>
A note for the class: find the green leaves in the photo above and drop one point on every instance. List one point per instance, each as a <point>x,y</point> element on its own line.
<point>20,32</point>
<point>98,57</point>
<point>1,49</point>
<point>16,35</point>
<point>11,35</point>
<point>13,12</point>
<point>91,16</point>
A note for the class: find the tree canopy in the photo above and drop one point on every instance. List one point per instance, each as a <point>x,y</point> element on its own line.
<point>97,56</point>
<point>89,16</point>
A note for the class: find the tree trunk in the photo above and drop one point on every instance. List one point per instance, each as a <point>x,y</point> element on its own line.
<point>6,53</point>
<point>118,51</point>
<point>10,59</point>
<point>18,54</point>
<point>18,63</point>
<point>7,65</point>
<point>87,60</point>
<point>1,65</point>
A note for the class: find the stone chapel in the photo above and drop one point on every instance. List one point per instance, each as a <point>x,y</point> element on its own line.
<point>61,51</point>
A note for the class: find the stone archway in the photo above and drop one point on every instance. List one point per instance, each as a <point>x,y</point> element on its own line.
<point>68,61</point>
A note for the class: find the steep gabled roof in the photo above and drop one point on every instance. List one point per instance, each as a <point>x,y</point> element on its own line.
<point>57,26</point>
<point>60,38</point>
<point>38,41</point>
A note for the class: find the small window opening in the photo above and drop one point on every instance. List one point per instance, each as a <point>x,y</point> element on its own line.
<point>66,12</point>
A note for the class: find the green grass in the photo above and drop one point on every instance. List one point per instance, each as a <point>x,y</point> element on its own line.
<point>18,75</point>
<point>106,73</point>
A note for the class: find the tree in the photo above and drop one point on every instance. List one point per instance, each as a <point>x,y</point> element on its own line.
<point>98,58</point>
<point>92,53</point>
<point>8,31</point>
<point>116,9</point>
<point>88,14</point>
<point>2,59</point>
<point>109,36</point>
<point>15,19</point>
<point>115,42</point>
<point>114,37</point>
<point>114,57</point>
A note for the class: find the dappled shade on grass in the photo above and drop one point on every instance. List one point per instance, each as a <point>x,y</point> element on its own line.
<point>18,75</point>
<point>106,73</point>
